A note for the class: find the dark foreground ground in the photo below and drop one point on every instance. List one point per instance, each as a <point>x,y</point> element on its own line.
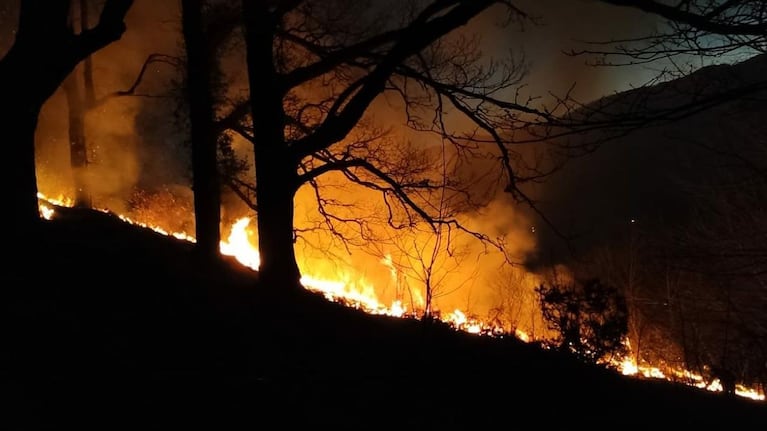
<point>111,326</point>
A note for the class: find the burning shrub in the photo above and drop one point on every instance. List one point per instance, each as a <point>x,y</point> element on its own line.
<point>163,209</point>
<point>590,317</point>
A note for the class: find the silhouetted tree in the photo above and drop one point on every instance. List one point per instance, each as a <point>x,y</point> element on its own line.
<point>726,378</point>
<point>696,33</point>
<point>627,261</point>
<point>44,53</point>
<point>718,255</point>
<point>722,246</point>
<point>78,150</point>
<point>515,304</point>
<point>205,176</point>
<point>428,266</point>
<point>428,260</point>
<point>315,69</point>
<point>79,103</point>
<point>699,28</point>
<point>590,317</point>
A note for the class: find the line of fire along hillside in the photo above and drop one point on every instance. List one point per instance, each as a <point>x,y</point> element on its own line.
<point>355,292</point>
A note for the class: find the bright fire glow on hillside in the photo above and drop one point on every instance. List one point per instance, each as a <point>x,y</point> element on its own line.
<point>354,291</point>
<point>629,367</point>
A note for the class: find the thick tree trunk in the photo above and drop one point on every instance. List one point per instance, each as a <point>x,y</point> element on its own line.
<point>276,170</point>
<point>78,152</point>
<point>19,111</point>
<point>77,136</point>
<point>44,53</point>
<point>275,220</point>
<point>19,177</point>
<point>90,88</point>
<point>205,180</point>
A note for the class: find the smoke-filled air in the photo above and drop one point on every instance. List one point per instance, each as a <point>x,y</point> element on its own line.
<point>485,179</point>
<point>139,167</point>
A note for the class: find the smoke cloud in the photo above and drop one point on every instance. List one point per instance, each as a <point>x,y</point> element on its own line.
<point>137,143</point>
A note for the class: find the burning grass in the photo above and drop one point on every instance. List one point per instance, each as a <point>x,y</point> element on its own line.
<point>353,291</point>
<point>124,327</point>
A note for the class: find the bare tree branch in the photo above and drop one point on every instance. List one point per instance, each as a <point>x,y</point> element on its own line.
<point>132,90</point>
<point>420,33</point>
<point>714,20</point>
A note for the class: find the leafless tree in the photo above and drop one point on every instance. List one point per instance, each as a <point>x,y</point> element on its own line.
<point>515,304</point>
<point>723,245</point>
<point>79,102</point>
<point>44,53</point>
<point>317,68</point>
<point>696,33</point>
<point>694,28</point>
<point>431,259</point>
<point>205,175</point>
<point>625,266</point>
<point>716,258</point>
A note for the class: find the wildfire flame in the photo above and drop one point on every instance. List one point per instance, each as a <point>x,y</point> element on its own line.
<point>238,245</point>
<point>628,366</point>
<point>354,291</point>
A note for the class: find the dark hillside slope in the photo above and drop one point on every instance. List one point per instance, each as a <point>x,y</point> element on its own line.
<point>114,326</point>
<point>655,174</point>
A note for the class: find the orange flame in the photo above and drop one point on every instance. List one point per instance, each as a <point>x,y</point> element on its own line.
<point>356,292</point>
<point>345,288</point>
<point>628,367</point>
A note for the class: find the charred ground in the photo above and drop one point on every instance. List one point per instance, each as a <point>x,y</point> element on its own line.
<point>114,326</point>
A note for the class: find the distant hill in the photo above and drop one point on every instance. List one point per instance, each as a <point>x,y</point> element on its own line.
<point>113,326</point>
<point>654,174</point>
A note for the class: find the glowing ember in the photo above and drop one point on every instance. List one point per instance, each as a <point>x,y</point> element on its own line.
<point>388,262</point>
<point>45,202</point>
<point>357,295</point>
<point>345,289</point>
<point>355,292</point>
<point>179,235</point>
<point>522,335</point>
<point>628,366</point>
<point>459,320</point>
<point>748,393</point>
<point>46,212</point>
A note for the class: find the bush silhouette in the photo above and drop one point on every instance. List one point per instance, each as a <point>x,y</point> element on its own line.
<point>590,318</point>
